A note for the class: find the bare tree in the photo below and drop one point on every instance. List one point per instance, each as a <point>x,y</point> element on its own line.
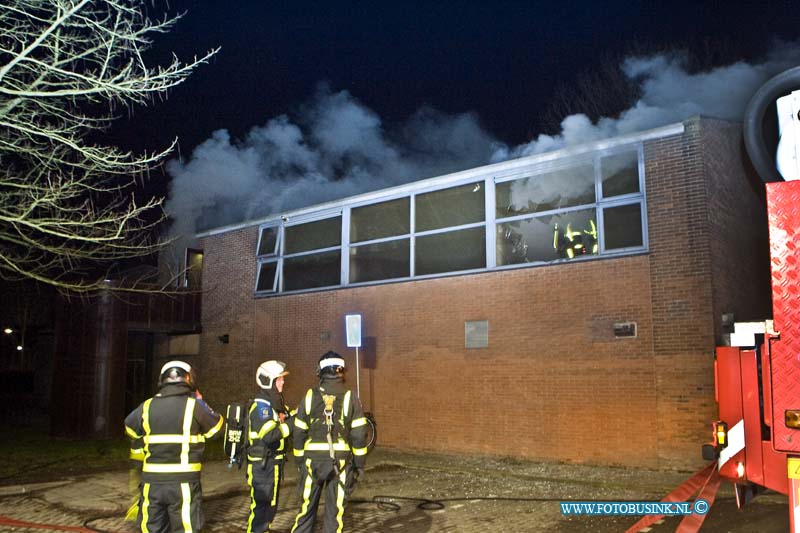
<point>67,204</point>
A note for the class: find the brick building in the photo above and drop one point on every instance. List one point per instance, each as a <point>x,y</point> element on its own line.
<point>563,306</point>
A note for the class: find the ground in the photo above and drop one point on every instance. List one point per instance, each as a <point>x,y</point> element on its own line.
<point>400,492</point>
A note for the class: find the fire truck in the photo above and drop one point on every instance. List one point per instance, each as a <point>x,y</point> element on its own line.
<point>756,438</point>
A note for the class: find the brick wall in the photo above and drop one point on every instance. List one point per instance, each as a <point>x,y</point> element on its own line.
<point>554,383</point>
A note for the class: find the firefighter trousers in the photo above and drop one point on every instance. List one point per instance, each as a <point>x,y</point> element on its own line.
<point>319,475</point>
<point>171,508</point>
<point>264,482</point>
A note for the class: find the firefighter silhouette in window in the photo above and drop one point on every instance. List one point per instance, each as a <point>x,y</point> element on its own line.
<point>570,243</point>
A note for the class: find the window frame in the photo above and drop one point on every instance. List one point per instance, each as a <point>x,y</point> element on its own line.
<point>488,181</point>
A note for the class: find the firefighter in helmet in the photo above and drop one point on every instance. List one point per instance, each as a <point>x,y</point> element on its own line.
<point>269,429</point>
<point>173,426</point>
<point>330,433</point>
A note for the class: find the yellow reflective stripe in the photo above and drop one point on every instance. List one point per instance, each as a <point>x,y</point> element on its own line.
<point>255,459</point>
<point>308,401</point>
<point>213,431</point>
<point>186,508</point>
<point>285,431</point>
<point>298,453</point>
<point>300,424</point>
<point>146,425</point>
<point>131,433</point>
<point>266,428</point>
<point>360,451</point>
<point>136,454</point>
<point>169,468</point>
<point>252,499</point>
<point>174,439</point>
<point>306,495</point>
<point>345,407</point>
<point>340,496</point>
<point>358,422</point>
<point>188,416</point>
<point>339,446</point>
<point>277,479</point>
<point>145,507</point>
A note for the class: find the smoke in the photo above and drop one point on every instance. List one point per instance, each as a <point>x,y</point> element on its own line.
<point>335,147</point>
<point>669,93</point>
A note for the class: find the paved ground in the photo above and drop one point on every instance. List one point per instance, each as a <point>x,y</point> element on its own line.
<point>458,495</point>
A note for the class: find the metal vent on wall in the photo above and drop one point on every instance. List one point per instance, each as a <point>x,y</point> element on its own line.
<point>476,334</point>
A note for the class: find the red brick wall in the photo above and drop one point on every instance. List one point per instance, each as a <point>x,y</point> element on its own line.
<point>553,384</point>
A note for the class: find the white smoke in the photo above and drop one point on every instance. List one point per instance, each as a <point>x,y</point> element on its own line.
<point>336,147</point>
<point>668,94</point>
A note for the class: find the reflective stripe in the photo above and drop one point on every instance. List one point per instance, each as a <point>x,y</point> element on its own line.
<point>188,416</point>
<point>358,422</point>
<point>256,459</point>
<point>186,508</point>
<point>170,468</point>
<point>252,499</point>
<point>339,446</point>
<point>285,431</point>
<point>277,480</point>
<point>308,400</point>
<point>213,431</point>
<point>146,426</point>
<point>360,451</point>
<point>174,439</point>
<point>345,408</point>
<point>300,424</point>
<point>340,496</point>
<point>131,433</point>
<point>266,428</point>
<point>306,494</point>
<point>145,507</point>
<point>298,453</point>
<point>137,454</point>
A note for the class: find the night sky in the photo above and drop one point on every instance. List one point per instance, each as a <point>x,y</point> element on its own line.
<point>312,102</point>
<point>502,60</point>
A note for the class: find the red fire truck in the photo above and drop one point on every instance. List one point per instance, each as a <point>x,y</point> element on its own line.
<point>757,435</point>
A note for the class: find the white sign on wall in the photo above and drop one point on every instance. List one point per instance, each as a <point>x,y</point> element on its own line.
<point>353,328</point>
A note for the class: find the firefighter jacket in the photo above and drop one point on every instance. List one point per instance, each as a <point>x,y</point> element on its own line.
<point>348,425</point>
<point>173,426</point>
<point>269,429</point>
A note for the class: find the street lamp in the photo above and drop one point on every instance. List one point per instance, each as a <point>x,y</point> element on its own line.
<point>8,331</point>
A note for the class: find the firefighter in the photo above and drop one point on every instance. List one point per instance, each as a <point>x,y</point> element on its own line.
<point>330,433</point>
<point>173,426</point>
<point>269,429</point>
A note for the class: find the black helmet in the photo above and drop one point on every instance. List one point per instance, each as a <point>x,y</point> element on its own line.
<point>330,364</point>
<point>176,372</point>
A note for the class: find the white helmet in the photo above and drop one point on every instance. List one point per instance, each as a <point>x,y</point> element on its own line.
<point>270,370</point>
<point>176,372</point>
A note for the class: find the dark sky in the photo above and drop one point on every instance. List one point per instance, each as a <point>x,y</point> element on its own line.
<point>502,60</point>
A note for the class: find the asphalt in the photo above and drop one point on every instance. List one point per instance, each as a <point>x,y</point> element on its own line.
<point>400,492</point>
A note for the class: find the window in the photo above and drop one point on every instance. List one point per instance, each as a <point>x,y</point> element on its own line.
<point>557,211</point>
<point>312,254</point>
<point>267,251</point>
<point>546,192</point>
<point>450,251</point>
<point>620,174</point>
<point>623,226</point>
<point>377,221</point>
<point>455,206</point>
<point>383,260</point>
<point>268,241</point>
<point>547,238</point>
<point>310,271</point>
